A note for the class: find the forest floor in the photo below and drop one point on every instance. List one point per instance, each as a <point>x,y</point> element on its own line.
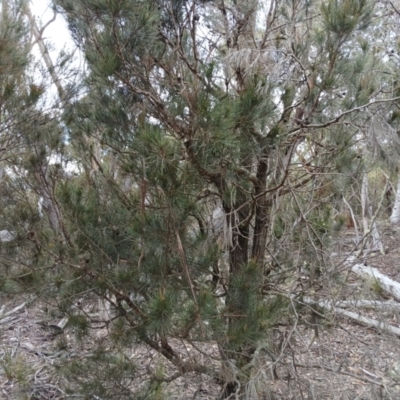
<point>339,359</point>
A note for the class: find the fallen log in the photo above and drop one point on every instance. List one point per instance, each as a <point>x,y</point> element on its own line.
<point>352,315</point>
<point>14,310</point>
<point>388,285</point>
<point>365,304</point>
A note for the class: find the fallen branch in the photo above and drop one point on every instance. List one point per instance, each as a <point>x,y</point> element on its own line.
<point>388,285</point>
<point>369,321</point>
<point>357,317</point>
<point>14,310</point>
<point>8,319</point>
<point>366,304</point>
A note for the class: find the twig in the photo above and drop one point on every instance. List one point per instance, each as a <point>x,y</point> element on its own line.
<point>14,310</point>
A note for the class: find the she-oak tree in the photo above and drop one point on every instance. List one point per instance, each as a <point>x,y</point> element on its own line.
<point>211,135</point>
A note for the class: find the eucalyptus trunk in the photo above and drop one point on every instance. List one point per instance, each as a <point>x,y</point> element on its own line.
<point>395,216</point>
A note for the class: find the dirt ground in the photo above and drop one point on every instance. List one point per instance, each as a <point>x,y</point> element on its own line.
<point>340,359</point>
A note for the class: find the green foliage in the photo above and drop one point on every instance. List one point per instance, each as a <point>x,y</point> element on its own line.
<point>376,287</point>
<point>208,172</point>
<point>251,314</point>
<point>160,313</point>
<point>343,17</point>
<point>103,374</point>
<point>17,370</point>
<point>121,333</point>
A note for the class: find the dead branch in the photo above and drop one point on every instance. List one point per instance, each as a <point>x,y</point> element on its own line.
<point>388,285</point>
<point>357,317</point>
<point>365,304</point>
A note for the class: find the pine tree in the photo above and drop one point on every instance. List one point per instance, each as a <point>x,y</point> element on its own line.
<point>21,119</point>
<point>207,134</point>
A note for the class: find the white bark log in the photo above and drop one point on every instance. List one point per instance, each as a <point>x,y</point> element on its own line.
<point>14,310</point>
<point>360,304</point>
<point>388,285</point>
<point>357,317</point>
<point>395,217</point>
<point>7,320</point>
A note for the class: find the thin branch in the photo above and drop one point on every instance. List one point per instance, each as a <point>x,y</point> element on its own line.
<point>344,113</point>
<point>44,51</point>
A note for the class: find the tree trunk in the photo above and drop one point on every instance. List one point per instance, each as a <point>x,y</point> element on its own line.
<point>44,51</point>
<point>395,216</point>
<point>261,216</point>
<point>46,191</point>
<point>367,214</point>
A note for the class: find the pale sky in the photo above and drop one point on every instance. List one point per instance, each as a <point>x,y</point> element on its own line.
<point>56,36</point>
<point>57,31</point>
